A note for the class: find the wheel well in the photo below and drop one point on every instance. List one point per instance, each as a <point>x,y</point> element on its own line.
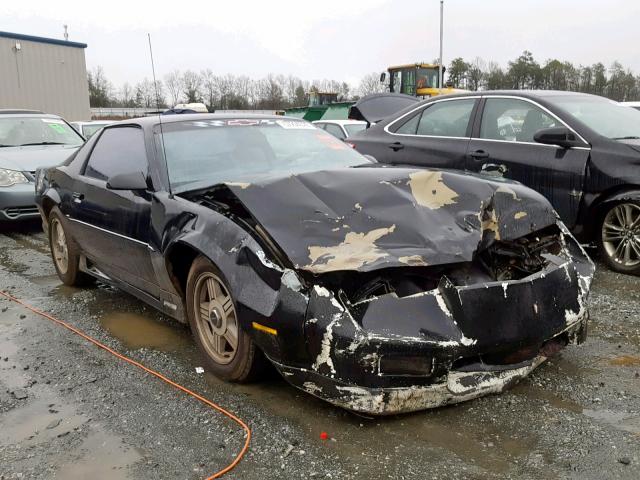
<point>179,260</point>
<point>598,208</point>
<point>47,206</point>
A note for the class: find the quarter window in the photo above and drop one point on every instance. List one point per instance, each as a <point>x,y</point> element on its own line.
<point>513,120</point>
<point>335,130</point>
<point>119,150</point>
<point>410,126</point>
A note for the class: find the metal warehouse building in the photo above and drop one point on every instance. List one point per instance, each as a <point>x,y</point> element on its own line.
<point>44,74</point>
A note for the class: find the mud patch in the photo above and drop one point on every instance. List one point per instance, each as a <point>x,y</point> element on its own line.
<point>620,420</point>
<point>625,360</point>
<point>139,331</point>
<point>532,392</point>
<point>100,456</point>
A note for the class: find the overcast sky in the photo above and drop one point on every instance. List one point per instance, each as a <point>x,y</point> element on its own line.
<point>334,39</point>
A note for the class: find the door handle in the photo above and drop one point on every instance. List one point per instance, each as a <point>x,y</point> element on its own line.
<point>494,169</point>
<point>479,154</point>
<point>395,146</point>
<point>77,197</point>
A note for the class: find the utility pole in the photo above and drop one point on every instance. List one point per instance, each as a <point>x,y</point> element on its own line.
<point>440,76</point>
<point>66,34</point>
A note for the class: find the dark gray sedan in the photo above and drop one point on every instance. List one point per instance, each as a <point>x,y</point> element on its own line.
<point>580,151</point>
<point>29,139</point>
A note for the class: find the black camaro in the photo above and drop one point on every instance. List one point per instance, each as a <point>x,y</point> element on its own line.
<point>580,151</point>
<point>378,289</point>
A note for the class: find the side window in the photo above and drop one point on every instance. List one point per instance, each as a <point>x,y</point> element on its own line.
<point>447,119</point>
<point>119,150</point>
<point>410,126</point>
<point>513,120</point>
<point>335,130</point>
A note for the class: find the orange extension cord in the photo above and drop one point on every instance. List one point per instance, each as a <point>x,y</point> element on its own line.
<point>218,474</point>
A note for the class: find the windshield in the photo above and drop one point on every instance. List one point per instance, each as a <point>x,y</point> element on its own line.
<point>354,128</point>
<point>203,153</point>
<point>606,117</point>
<point>427,78</point>
<point>18,131</point>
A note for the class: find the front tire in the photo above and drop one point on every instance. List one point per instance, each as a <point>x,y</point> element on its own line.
<point>65,253</point>
<point>228,350</point>
<point>619,237</point>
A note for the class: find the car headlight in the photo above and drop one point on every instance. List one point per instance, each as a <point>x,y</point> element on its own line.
<point>11,177</point>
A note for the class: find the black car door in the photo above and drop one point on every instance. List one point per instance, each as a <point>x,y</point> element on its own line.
<point>112,227</point>
<point>435,135</point>
<point>503,145</point>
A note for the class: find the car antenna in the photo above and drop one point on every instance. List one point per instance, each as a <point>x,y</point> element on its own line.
<point>155,86</point>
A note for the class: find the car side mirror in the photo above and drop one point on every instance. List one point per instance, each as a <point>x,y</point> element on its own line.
<point>561,136</point>
<point>128,181</point>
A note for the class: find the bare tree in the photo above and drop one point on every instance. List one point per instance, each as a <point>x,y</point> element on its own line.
<point>475,73</point>
<point>173,82</point>
<point>191,84</point>
<point>126,95</point>
<point>370,83</point>
<point>210,88</point>
<point>100,89</point>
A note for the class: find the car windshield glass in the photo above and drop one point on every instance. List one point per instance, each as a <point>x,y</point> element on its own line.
<point>606,117</point>
<point>203,153</point>
<point>16,131</point>
<point>354,128</point>
<point>427,78</point>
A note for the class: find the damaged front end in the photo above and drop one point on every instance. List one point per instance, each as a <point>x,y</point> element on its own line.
<point>482,327</point>
<point>412,289</point>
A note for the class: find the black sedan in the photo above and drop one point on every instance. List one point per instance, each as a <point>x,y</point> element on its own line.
<point>378,289</point>
<point>580,151</point>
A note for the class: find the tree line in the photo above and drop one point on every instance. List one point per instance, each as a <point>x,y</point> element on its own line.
<point>217,92</point>
<point>616,82</point>
<point>275,92</point>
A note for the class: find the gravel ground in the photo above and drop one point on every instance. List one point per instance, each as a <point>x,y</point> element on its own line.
<point>72,411</point>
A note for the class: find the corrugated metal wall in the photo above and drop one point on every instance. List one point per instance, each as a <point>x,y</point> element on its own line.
<point>51,78</point>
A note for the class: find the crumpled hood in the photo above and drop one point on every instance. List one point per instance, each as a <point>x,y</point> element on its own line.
<point>370,218</point>
<point>28,159</point>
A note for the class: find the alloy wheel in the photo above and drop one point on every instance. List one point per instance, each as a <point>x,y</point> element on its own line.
<point>621,234</point>
<point>59,246</point>
<point>216,318</point>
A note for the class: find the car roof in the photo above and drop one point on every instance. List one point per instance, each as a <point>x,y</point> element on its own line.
<point>631,104</point>
<point>341,122</point>
<point>533,94</point>
<point>20,111</point>
<point>150,121</point>
<point>93,122</point>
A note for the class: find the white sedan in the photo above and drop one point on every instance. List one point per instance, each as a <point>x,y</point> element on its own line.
<point>341,129</point>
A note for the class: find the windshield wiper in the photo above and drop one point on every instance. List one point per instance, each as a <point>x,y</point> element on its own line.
<point>41,143</point>
<point>630,137</point>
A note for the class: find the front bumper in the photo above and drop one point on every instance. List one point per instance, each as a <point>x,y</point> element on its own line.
<point>455,387</point>
<point>17,203</point>
<point>392,354</point>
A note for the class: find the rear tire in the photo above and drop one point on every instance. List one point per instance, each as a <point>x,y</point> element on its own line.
<point>229,352</point>
<point>65,252</point>
<point>619,237</point>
